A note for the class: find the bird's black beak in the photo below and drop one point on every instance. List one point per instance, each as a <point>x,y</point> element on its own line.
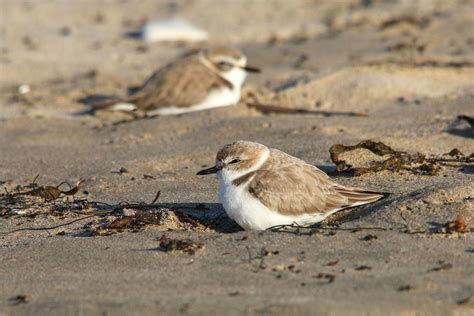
<point>251,69</point>
<point>208,171</point>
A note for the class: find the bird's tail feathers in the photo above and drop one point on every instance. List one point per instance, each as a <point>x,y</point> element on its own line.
<point>358,197</point>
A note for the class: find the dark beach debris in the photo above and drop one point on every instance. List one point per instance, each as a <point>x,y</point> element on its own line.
<point>369,237</point>
<point>457,226</point>
<point>19,299</point>
<point>442,266</point>
<point>286,268</point>
<point>464,301</point>
<point>325,276</point>
<point>260,257</point>
<point>274,109</point>
<point>122,170</point>
<point>181,245</point>
<point>454,153</point>
<point>29,43</point>
<point>418,21</point>
<point>362,268</point>
<point>301,256</point>
<point>136,221</point>
<point>157,196</point>
<point>392,160</point>
<point>65,31</point>
<point>405,288</point>
<point>406,46</point>
<point>269,253</point>
<point>332,263</point>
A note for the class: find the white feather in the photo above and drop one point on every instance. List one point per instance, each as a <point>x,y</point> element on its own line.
<point>172,30</point>
<point>122,106</point>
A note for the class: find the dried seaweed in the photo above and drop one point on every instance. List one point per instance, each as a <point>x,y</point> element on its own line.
<point>441,267</point>
<point>19,299</point>
<point>362,268</point>
<point>124,216</point>
<point>332,263</point>
<point>325,276</point>
<point>50,193</point>
<point>369,237</point>
<point>464,301</point>
<point>405,288</point>
<point>394,161</point>
<point>182,245</point>
<point>420,22</point>
<point>132,223</point>
<point>23,200</point>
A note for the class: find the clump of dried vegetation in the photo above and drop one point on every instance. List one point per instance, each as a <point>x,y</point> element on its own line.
<point>33,200</point>
<point>395,161</point>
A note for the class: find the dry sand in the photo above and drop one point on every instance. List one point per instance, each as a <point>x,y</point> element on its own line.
<point>409,66</point>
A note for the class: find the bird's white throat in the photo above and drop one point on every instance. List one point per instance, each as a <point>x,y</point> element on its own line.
<point>236,76</point>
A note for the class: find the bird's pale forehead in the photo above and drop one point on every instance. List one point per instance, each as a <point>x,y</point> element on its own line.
<point>247,150</point>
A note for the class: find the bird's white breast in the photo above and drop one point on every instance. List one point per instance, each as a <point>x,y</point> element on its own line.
<point>251,214</point>
<point>216,98</point>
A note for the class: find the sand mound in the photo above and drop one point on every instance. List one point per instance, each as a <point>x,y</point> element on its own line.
<point>371,86</point>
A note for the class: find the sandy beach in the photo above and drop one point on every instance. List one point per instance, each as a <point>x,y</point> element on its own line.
<point>406,69</point>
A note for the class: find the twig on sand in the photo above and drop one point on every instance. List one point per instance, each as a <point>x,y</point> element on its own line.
<point>47,228</point>
<point>314,229</point>
<point>268,108</point>
<point>310,230</point>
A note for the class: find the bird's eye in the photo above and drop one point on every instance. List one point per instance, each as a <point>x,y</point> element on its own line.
<point>224,63</point>
<point>235,161</point>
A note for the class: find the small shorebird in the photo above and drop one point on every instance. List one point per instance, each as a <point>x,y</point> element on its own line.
<point>209,79</point>
<point>262,187</point>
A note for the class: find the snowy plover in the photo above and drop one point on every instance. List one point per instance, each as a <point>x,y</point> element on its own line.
<point>209,79</point>
<point>261,187</point>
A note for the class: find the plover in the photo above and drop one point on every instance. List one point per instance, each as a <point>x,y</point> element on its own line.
<point>209,79</point>
<point>262,187</point>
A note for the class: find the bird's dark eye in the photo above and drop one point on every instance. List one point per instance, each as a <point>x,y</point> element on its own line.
<point>235,161</point>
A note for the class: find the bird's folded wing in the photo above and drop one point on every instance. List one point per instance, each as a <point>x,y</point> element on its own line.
<point>297,191</point>
<point>181,84</point>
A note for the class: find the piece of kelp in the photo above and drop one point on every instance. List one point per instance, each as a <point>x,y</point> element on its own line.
<point>50,193</point>
<point>393,160</point>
